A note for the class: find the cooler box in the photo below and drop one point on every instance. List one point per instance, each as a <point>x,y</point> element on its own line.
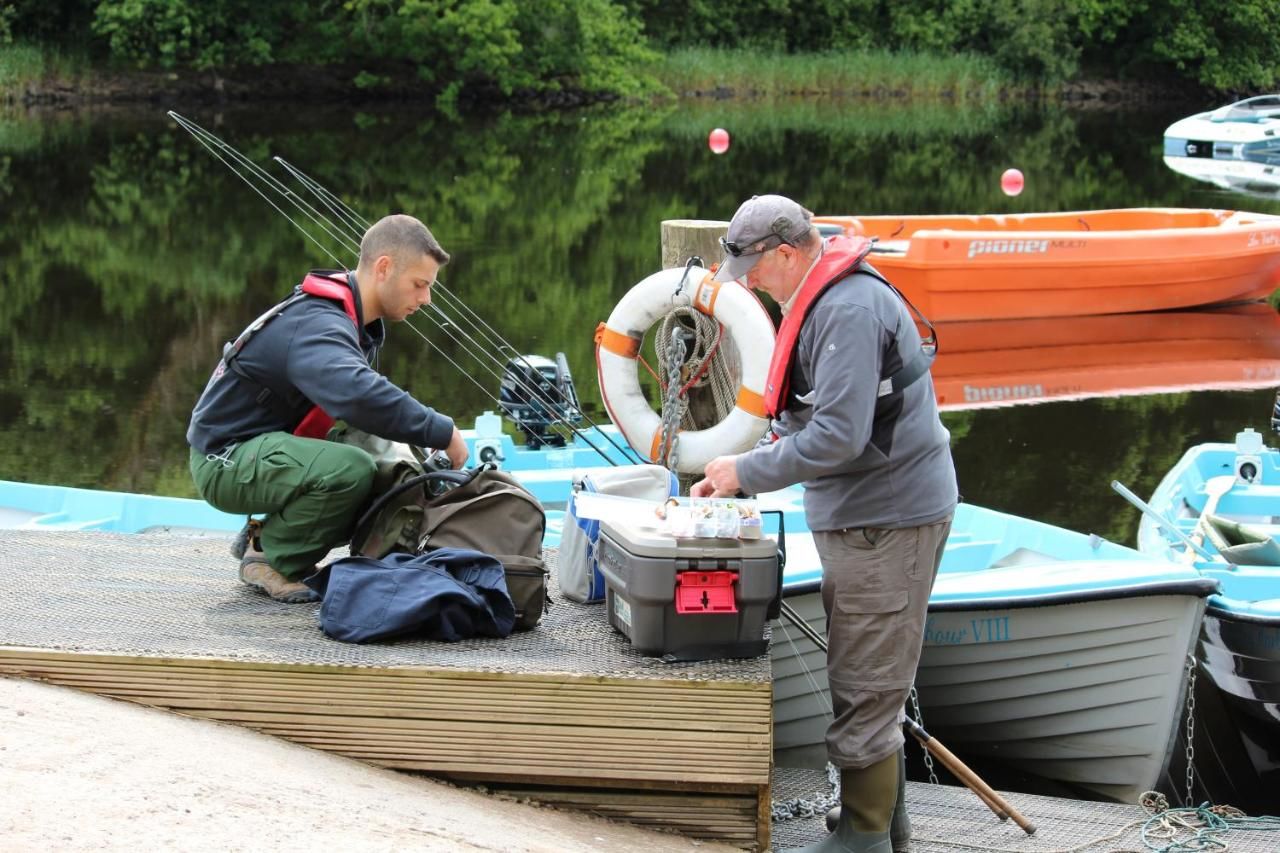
<point>688,599</point>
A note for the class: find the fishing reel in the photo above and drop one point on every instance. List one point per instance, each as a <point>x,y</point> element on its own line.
<point>536,394</point>
<point>432,462</point>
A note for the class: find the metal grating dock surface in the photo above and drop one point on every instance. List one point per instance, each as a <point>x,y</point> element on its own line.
<point>163,596</point>
<point>950,818</point>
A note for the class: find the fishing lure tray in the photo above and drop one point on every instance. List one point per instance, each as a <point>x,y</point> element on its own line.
<point>688,599</point>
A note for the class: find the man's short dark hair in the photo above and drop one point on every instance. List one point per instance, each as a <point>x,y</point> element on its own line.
<point>400,236</point>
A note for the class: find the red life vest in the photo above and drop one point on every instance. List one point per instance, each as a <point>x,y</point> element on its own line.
<point>316,423</point>
<point>840,257</point>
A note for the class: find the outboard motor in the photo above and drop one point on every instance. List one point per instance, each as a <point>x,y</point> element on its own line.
<point>537,393</point>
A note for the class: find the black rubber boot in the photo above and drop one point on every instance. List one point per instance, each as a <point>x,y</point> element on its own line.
<point>900,826</point>
<point>845,839</point>
<point>866,812</point>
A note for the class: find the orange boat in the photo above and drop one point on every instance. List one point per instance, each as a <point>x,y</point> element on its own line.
<point>986,363</point>
<point>1068,264</point>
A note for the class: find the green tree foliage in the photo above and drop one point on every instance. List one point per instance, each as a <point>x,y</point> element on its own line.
<point>54,22</point>
<point>1222,45</point>
<point>505,47</point>
<point>454,45</point>
<point>1033,38</point>
<point>204,34</point>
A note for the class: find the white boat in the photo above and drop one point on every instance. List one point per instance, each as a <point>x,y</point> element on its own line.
<point>1245,130</point>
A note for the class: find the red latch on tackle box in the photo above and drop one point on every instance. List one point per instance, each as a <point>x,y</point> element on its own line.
<point>705,592</point>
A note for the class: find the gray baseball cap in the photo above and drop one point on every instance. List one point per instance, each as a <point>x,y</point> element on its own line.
<point>763,222</point>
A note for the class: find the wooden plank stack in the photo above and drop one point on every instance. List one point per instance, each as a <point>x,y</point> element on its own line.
<point>566,713</point>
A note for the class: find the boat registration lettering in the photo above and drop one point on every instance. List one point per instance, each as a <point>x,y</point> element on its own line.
<point>1007,247</point>
<point>993,629</point>
<point>1263,238</point>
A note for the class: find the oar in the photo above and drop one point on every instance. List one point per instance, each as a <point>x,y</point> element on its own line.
<point>971,780</point>
<point>1215,488</point>
<point>1159,519</point>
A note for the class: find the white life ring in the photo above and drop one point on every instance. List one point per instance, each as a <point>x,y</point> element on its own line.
<point>618,342</point>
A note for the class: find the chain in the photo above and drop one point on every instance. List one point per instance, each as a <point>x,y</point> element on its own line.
<point>673,405</point>
<point>1191,729</point>
<point>928,759</point>
<point>802,807</point>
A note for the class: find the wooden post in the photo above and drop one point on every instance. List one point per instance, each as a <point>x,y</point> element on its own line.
<point>681,240</point>
<point>684,238</point>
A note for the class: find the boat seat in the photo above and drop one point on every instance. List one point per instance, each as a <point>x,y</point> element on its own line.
<point>1022,557</point>
<point>1240,544</point>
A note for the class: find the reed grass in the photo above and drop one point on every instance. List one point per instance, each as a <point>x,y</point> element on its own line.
<point>688,71</point>
<point>841,115</point>
<point>22,64</point>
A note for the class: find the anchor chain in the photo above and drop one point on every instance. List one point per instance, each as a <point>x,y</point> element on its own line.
<point>928,759</point>
<point>803,807</point>
<point>1191,729</point>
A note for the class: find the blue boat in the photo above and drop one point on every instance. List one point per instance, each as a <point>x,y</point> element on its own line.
<point>1057,653</point>
<point>1226,499</point>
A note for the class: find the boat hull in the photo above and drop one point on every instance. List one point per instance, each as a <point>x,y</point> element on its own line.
<point>1084,694</point>
<point>1242,659</point>
<point>1073,264</point>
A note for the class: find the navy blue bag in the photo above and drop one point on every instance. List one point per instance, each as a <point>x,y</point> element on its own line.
<point>447,594</point>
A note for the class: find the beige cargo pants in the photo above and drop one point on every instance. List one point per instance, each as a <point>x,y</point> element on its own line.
<point>875,590</point>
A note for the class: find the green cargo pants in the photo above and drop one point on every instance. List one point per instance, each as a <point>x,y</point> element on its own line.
<point>309,489</point>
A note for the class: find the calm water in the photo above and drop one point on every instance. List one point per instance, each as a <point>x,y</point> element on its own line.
<point>128,254</point>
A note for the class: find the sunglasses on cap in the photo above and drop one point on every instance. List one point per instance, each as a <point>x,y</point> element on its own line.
<point>738,251</point>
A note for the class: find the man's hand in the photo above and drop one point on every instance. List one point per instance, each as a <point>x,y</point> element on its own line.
<point>457,450</point>
<point>721,479</point>
<point>701,489</point>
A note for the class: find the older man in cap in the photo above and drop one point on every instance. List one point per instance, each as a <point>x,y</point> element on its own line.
<point>855,421</point>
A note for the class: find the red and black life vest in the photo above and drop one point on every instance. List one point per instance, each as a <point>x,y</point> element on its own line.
<point>324,284</point>
<point>841,257</point>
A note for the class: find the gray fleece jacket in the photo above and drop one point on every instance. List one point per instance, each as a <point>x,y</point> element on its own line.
<point>865,460</point>
<point>311,354</point>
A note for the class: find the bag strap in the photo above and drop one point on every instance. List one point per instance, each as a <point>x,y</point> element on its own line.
<point>458,478</point>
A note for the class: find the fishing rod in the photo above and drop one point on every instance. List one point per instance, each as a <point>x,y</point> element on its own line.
<point>998,805</point>
<point>237,161</point>
<point>484,335</point>
<point>348,238</point>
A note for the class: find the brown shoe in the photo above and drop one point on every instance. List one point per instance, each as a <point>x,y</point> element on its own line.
<point>257,573</point>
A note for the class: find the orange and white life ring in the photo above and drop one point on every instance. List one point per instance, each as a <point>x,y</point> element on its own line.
<point>618,342</point>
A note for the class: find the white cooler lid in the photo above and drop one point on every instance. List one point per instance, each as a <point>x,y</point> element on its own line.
<point>645,540</point>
